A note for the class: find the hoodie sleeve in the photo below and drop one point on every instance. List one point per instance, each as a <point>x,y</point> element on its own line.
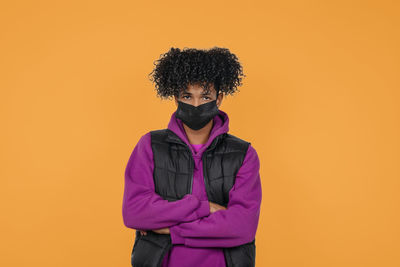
<point>142,207</point>
<point>238,223</point>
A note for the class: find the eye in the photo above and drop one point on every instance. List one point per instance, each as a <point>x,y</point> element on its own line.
<point>185,96</point>
<point>207,97</point>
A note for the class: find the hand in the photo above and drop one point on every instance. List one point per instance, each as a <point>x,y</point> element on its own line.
<point>215,207</point>
<point>143,232</point>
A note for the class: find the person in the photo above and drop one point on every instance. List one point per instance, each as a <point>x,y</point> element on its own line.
<point>193,190</point>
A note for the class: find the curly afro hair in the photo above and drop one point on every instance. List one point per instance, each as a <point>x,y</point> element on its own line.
<point>176,69</point>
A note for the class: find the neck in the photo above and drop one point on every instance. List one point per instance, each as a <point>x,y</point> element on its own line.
<point>199,136</point>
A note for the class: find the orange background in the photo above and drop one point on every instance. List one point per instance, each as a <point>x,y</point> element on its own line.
<point>320,103</point>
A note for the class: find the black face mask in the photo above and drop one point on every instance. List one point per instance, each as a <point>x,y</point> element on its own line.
<point>196,117</point>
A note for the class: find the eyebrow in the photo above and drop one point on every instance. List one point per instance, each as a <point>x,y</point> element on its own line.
<point>187,93</point>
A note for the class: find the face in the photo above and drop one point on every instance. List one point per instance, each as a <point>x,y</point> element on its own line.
<point>195,95</point>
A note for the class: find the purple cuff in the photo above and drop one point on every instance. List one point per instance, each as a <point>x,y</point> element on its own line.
<point>204,209</point>
<point>176,238</point>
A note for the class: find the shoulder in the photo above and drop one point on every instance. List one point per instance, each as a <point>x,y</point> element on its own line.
<point>235,142</point>
<point>152,138</point>
<point>146,138</point>
<point>158,135</point>
<point>251,157</point>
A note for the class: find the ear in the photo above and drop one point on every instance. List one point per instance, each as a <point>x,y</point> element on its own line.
<point>219,99</point>
<point>176,101</point>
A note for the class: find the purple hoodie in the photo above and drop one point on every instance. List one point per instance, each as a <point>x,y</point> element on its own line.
<point>197,235</point>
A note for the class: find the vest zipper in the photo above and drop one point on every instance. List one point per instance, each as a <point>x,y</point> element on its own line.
<point>204,172</point>
<point>191,181</point>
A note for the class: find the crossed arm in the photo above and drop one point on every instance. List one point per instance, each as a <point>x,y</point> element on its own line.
<point>213,208</point>
<point>189,221</point>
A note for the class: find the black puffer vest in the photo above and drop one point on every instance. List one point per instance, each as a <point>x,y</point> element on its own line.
<point>173,178</point>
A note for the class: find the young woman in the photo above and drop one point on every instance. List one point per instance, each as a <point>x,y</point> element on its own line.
<point>192,190</point>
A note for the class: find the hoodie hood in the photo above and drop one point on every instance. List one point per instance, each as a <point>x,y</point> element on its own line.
<point>220,126</point>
